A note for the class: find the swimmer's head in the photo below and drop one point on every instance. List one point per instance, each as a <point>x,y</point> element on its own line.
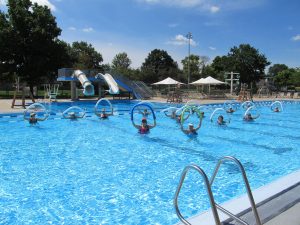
<point>32,114</point>
<point>144,121</point>
<point>191,126</point>
<point>72,115</point>
<point>220,117</point>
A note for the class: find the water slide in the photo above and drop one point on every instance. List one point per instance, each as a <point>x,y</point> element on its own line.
<point>113,86</point>
<point>88,88</point>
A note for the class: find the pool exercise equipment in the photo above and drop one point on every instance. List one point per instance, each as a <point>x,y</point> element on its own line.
<point>39,110</point>
<point>188,112</point>
<point>73,112</point>
<point>247,104</point>
<point>230,104</point>
<point>277,104</point>
<point>219,112</point>
<point>105,104</point>
<point>141,107</point>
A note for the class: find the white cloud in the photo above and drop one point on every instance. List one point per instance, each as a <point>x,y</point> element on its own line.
<point>212,48</point>
<point>214,9</point>
<point>45,3</point>
<point>173,25</point>
<point>296,38</point>
<point>72,28</point>
<point>207,5</point>
<point>88,29</point>
<point>181,40</point>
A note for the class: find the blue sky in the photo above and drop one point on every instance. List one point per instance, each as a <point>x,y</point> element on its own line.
<point>139,26</point>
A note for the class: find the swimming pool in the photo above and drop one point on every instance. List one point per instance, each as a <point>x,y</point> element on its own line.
<point>103,172</point>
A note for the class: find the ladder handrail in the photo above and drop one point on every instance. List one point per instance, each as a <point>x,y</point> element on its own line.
<point>248,189</point>
<point>208,189</point>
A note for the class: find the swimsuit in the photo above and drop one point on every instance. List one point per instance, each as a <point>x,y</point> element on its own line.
<point>144,130</point>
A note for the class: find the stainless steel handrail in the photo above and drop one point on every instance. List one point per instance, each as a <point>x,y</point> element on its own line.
<point>249,193</point>
<point>208,189</point>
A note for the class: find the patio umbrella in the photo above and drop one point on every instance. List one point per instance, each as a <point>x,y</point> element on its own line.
<point>167,81</point>
<point>208,80</point>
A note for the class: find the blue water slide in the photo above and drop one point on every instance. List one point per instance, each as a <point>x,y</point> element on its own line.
<point>128,88</point>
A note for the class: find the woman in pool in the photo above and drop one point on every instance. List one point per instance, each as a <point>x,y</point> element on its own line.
<point>103,115</point>
<point>73,116</point>
<point>33,120</point>
<point>249,117</point>
<point>276,109</point>
<point>230,110</point>
<point>144,128</point>
<point>221,121</point>
<point>191,130</point>
<point>173,115</point>
<point>145,113</point>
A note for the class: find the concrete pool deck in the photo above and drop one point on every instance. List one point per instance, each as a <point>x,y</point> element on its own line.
<point>288,215</point>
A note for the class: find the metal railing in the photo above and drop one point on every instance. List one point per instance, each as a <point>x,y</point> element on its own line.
<point>208,189</point>
<point>209,184</point>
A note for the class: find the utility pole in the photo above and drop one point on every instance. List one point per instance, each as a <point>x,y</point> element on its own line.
<point>189,37</point>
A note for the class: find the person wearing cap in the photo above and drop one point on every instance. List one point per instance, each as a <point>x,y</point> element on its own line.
<point>73,116</point>
<point>33,119</point>
<point>191,130</point>
<point>144,128</point>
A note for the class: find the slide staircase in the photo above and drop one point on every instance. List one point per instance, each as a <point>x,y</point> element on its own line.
<point>138,89</point>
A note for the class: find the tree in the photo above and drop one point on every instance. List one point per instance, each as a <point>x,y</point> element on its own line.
<point>29,42</point>
<point>121,62</point>
<point>276,68</point>
<point>84,56</point>
<point>248,62</point>
<point>197,63</point>
<point>288,77</point>
<point>158,65</point>
<point>283,78</point>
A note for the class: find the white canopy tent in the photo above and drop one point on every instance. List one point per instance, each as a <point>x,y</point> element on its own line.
<point>208,80</point>
<point>167,81</point>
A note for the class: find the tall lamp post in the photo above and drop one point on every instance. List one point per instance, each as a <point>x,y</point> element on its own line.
<point>189,37</point>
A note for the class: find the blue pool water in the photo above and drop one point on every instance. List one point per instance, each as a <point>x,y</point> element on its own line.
<point>103,172</point>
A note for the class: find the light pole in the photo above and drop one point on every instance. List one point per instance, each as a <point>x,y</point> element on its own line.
<point>189,37</point>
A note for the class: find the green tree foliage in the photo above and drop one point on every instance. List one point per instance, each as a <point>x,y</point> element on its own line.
<point>157,66</point>
<point>121,62</point>
<point>29,42</point>
<point>288,77</point>
<point>248,62</point>
<point>276,68</point>
<point>197,63</point>
<point>84,56</point>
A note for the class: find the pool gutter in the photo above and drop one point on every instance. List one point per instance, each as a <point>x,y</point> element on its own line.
<point>241,204</point>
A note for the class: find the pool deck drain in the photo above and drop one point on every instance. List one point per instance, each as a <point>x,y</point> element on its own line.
<point>276,201</point>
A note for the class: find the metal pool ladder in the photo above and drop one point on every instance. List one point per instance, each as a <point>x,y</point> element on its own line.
<point>208,183</point>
